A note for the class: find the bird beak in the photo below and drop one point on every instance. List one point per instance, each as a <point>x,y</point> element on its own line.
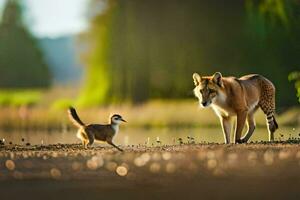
<point>123,120</point>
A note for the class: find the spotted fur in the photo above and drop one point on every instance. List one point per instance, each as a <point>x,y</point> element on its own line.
<point>267,104</point>
<point>240,97</point>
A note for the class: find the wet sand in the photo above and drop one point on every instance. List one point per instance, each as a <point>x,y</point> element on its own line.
<point>188,171</point>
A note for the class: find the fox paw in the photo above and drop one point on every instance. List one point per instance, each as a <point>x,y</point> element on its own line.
<point>240,141</point>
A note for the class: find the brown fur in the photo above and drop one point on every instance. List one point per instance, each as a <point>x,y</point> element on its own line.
<point>230,96</point>
<point>89,133</point>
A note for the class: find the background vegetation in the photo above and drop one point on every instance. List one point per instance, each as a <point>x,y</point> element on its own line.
<point>138,56</point>
<point>140,50</point>
<point>21,60</point>
<point>295,76</point>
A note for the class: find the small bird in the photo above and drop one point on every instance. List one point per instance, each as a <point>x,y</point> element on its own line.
<point>101,132</point>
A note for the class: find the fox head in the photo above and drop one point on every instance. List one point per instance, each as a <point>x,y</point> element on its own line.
<point>207,88</point>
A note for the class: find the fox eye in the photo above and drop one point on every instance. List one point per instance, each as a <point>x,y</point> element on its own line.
<point>201,91</point>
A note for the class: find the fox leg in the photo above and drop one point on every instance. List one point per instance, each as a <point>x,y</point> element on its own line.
<point>240,123</point>
<point>251,127</point>
<point>226,127</point>
<point>271,121</point>
<point>267,104</point>
<point>272,126</point>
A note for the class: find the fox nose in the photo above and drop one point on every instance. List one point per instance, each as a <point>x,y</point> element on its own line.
<point>205,103</point>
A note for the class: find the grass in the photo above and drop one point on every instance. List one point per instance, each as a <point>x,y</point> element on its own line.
<point>152,114</point>
<point>17,98</point>
<point>35,109</point>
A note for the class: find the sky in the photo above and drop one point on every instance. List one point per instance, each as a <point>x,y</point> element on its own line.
<point>54,18</point>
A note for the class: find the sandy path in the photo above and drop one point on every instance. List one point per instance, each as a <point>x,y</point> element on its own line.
<point>202,171</point>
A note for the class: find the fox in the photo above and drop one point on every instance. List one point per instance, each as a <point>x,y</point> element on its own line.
<point>237,97</point>
<point>99,132</point>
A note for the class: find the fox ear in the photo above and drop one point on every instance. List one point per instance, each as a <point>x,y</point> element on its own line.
<point>197,79</point>
<point>217,79</point>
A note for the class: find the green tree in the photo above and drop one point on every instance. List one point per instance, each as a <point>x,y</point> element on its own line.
<point>97,77</point>
<point>151,48</point>
<point>21,61</point>
<point>273,41</point>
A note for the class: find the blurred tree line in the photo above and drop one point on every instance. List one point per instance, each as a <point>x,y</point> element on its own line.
<point>141,49</point>
<point>21,60</point>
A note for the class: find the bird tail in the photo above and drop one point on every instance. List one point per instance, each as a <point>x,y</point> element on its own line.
<point>75,118</point>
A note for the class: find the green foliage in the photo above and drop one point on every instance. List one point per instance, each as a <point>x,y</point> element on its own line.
<point>295,76</point>
<point>150,49</point>
<point>18,98</point>
<point>97,79</point>
<point>21,61</point>
<point>62,104</point>
<point>273,40</point>
<point>264,15</point>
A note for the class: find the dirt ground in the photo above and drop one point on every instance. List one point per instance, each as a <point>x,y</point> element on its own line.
<point>188,171</point>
